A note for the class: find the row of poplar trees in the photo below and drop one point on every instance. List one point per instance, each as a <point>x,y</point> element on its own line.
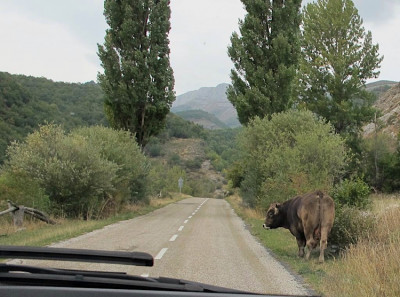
<point>322,67</point>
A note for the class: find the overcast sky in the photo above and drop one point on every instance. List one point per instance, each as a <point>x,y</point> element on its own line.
<point>58,39</point>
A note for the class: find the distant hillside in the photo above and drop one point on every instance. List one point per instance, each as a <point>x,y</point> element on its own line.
<point>389,105</point>
<point>380,87</point>
<point>209,99</point>
<point>203,118</point>
<point>26,102</point>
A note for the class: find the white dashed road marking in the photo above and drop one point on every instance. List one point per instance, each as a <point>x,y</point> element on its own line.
<point>174,237</point>
<point>160,254</point>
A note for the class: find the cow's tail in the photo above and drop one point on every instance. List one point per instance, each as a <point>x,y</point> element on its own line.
<point>317,232</point>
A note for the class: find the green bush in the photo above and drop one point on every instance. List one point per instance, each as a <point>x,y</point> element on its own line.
<point>120,148</point>
<point>235,174</point>
<point>294,152</point>
<point>71,172</point>
<point>201,187</point>
<point>165,180</point>
<point>352,192</point>
<point>193,163</point>
<point>351,224</point>
<point>23,190</point>
<point>154,147</point>
<point>174,159</point>
<point>84,173</point>
<point>381,162</point>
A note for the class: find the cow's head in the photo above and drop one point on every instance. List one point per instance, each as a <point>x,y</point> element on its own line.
<point>273,216</point>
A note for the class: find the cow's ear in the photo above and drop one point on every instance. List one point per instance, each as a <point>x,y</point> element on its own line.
<point>276,208</point>
<point>278,205</point>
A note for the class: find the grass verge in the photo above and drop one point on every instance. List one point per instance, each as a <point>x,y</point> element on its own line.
<point>369,268</point>
<point>372,266</point>
<point>36,233</point>
<point>283,245</point>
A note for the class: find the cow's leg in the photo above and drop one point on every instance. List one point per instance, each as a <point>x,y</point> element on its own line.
<point>311,244</point>
<point>301,242</point>
<point>323,243</point>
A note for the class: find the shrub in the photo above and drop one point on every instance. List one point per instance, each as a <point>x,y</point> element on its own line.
<point>72,173</point>
<point>165,180</point>
<point>154,148</point>
<point>380,162</point>
<point>194,163</point>
<point>352,192</point>
<point>235,174</point>
<point>83,173</point>
<point>293,152</point>
<point>120,148</point>
<point>201,187</point>
<point>23,190</point>
<point>174,159</point>
<point>351,225</point>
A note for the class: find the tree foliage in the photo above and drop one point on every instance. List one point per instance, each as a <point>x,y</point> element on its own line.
<point>293,153</point>
<point>265,57</point>
<point>26,102</point>
<point>83,173</point>
<point>138,80</point>
<point>338,58</point>
<point>381,162</point>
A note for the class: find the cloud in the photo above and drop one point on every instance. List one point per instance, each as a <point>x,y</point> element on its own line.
<point>386,35</point>
<point>200,34</point>
<point>43,48</point>
<point>377,12</point>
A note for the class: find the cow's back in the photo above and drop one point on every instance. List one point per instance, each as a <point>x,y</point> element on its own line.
<point>316,210</point>
<point>327,206</point>
<point>309,211</point>
<point>318,213</point>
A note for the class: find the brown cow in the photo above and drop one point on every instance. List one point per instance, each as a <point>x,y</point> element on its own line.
<point>308,217</point>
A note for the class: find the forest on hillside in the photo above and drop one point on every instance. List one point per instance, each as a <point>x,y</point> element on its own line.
<point>27,102</point>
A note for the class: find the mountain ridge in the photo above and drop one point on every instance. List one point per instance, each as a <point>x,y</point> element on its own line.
<point>209,99</point>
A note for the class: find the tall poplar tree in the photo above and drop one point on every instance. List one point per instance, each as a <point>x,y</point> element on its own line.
<point>265,57</point>
<point>339,57</point>
<point>138,79</point>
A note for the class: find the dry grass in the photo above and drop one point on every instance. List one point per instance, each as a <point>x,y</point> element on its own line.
<point>372,267</point>
<point>245,212</point>
<point>37,233</point>
<point>160,202</point>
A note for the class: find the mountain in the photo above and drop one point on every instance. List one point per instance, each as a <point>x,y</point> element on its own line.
<point>203,118</point>
<point>209,99</point>
<point>380,87</point>
<point>213,100</point>
<point>389,105</point>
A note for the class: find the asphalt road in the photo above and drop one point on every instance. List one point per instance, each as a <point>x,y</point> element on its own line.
<point>197,239</point>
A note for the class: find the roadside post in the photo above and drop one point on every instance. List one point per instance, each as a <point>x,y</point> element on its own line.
<point>180,184</point>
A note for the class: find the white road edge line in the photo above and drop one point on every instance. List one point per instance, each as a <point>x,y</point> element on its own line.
<point>145,275</point>
<point>180,228</point>
<point>160,254</point>
<point>173,237</point>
